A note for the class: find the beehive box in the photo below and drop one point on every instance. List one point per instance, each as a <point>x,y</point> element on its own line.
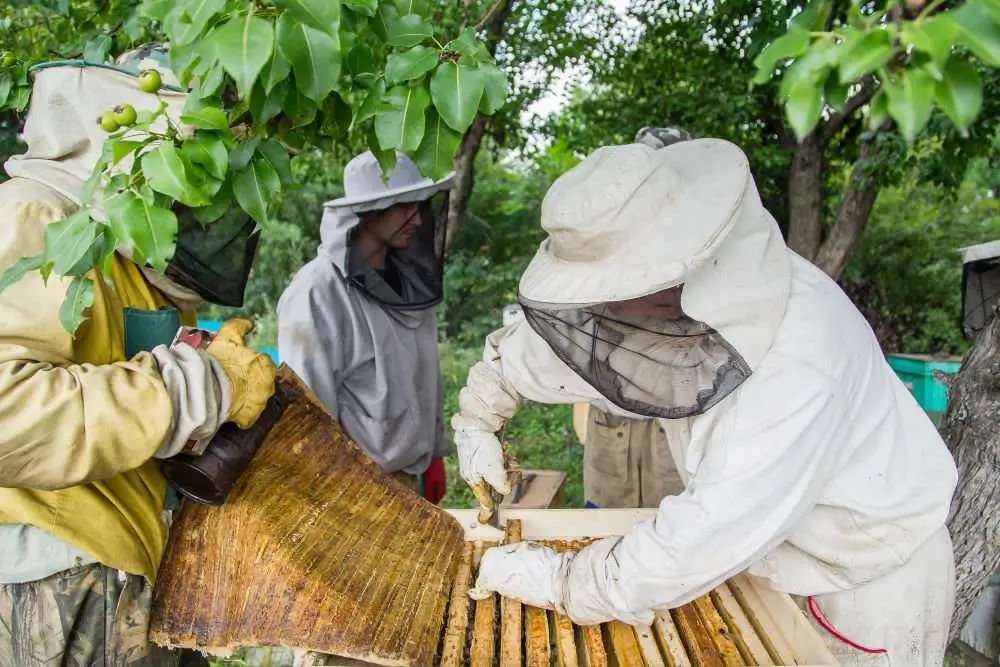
<point>739,623</point>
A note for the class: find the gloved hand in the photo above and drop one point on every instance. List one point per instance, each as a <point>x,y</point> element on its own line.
<point>481,458</point>
<point>534,574</point>
<point>435,481</point>
<point>251,373</point>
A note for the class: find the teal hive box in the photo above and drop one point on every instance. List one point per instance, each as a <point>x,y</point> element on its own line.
<point>917,371</point>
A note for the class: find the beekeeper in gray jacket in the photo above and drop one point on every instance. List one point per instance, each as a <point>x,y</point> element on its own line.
<point>358,325</point>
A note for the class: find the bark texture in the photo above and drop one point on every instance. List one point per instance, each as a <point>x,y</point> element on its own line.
<point>970,429</point>
<point>465,159</point>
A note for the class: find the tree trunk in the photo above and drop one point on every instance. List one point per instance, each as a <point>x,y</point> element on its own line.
<point>970,429</point>
<point>461,188</point>
<point>465,159</point>
<point>805,197</point>
<point>852,215</point>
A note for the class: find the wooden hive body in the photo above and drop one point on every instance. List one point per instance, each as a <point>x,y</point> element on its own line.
<point>316,548</point>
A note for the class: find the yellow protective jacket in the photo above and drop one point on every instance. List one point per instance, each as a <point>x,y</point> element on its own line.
<point>79,421</point>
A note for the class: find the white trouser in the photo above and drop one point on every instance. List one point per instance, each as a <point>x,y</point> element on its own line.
<point>907,612</point>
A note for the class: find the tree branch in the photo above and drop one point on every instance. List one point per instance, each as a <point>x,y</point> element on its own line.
<point>498,7</point>
<point>832,125</point>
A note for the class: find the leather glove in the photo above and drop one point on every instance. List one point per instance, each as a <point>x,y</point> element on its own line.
<point>534,574</point>
<point>251,373</point>
<point>481,459</point>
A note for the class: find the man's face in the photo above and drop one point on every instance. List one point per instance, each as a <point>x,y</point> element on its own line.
<point>396,225</point>
<point>665,304</point>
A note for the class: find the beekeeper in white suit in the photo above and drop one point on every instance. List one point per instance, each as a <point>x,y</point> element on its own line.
<point>664,289</point>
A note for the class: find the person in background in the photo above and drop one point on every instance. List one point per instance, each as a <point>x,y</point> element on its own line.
<point>84,508</point>
<point>665,290</point>
<point>358,322</point>
<point>627,462</point>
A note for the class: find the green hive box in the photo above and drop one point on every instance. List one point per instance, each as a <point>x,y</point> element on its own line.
<point>917,371</point>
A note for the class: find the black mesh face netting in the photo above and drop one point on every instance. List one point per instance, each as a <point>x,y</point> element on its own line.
<point>414,276</point>
<point>646,365</point>
<point>980,294</point>
<point>214,260</point>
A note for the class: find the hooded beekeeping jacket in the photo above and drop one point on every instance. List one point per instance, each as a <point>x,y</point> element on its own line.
<point>817,470</point>
<point>80,419</point>
<point>374,366</point>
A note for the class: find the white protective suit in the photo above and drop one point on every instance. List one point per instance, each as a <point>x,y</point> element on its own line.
<point>374,367</point>
<point>819,473</point>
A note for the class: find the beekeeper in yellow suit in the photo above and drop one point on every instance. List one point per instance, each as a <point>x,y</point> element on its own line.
<point>664,290</point>
<point>83,505</point>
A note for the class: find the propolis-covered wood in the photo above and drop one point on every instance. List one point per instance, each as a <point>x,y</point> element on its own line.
<point>315,549</point>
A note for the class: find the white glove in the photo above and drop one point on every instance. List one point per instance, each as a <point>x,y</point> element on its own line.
<point>570,583</point>
<point>480,458</point>
<point>528,572</point>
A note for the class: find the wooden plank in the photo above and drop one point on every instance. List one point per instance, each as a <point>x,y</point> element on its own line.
<point>556,523</point>
<point>753,606</point>
<point>719,632</point>
<point>670,640</point>
<point>483,646</point>
<point>590,644</point>
<point>696,638</point>
<point>651,653</point>
<point>805,643</point>
<point>565,641</point>
<point>453,647</point>
<point>624,645</point>
<point>536,637</point>
<point>742,631</point>
<point>511,613</point>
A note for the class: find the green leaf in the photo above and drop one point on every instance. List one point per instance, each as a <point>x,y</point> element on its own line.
<point>410,64</point>
<point>198,13</point>
<point>467,44</point>
<point>366,7</point>
<point>115,204</point>
<point>400,120</point>
<point>256,188</point>
<point>803,108</point>
<point>209,82</point>
<point>811,18</point>
<point>79,297</point>
<point>386,157</point>
<point>6,85</point>
<point>384,18</point>
<point>978,31</point>
<point>412,7</point>
<point>265,106</point>
<point>279,159</point>
<point>120,148</point>
<point>362,66</point>
<point>68,241</point>
<point>97,49</point>
<point>209,153</point>
<point>409,30</point>
<point>240,156</point>
<point>495,82</point>
<point>369,107</point>
<point>835,93</point>
<point>790,45</point>
<point>209,118</point>
<point>314,55</point>
<point>864,56</point>
<point>276,71</point>
<point>910,101</point>
<point>935,37</point>
<point>812,67</point>
<point>220,205</point>
<point>300,108</point>
<point>436,154</point>
<point>18,270</point>
<point>960,93</point>
<point>164,171</point>
<point>244,45</point>
<point>457,91</point>
<point>322,15</point>
<point>152,231</point>
<point>156,10</point>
